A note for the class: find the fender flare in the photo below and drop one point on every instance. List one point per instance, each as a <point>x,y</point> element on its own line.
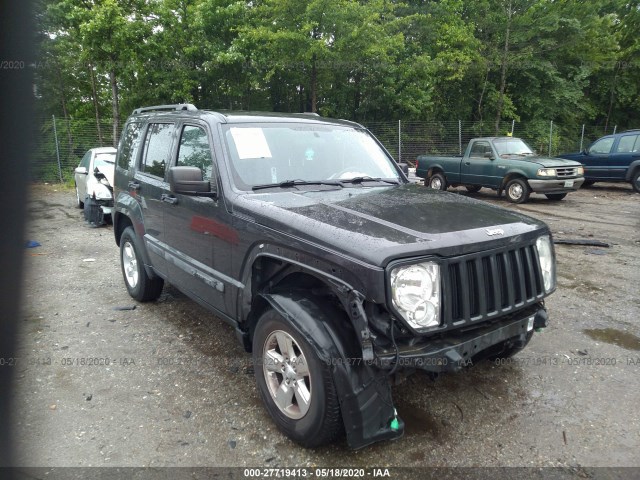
<point>363,390</point>
<point>126,206</point>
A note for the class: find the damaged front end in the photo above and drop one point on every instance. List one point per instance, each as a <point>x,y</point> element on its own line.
<point>98,203</point>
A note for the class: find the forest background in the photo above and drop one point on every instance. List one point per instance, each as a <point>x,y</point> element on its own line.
<point>550,69</point>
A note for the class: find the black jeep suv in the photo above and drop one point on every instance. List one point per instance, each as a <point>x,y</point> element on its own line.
<point>306,236</point>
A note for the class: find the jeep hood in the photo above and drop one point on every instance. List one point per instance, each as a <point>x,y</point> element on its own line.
<point>379,224</point>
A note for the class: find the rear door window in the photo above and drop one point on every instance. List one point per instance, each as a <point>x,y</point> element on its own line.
<point>628,144</point>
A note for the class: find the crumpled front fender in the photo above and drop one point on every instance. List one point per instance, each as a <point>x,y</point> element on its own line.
<point>364,391</point>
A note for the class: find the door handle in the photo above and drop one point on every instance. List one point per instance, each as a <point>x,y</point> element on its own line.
<point>169,199</point>
<point>133,185</point>
<point>467,163</point>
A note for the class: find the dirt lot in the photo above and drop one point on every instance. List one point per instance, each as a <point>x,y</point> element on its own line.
<point>178,390</point>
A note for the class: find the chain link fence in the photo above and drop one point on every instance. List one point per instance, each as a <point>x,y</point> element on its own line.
<point>406,140</point>
<point>63,142</point>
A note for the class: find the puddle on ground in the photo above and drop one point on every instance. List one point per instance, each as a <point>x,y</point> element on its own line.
<point>615,337</point>
<point>418,422</point>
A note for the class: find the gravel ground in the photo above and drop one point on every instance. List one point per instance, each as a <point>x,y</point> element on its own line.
<point>178,389</point>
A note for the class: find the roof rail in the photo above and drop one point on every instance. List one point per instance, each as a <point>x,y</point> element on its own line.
<point>177,106</point>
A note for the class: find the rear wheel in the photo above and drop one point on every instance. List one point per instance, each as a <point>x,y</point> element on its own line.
<point>555,196</point>
<point>295,384</point>
<point>635,180</point>
<point>139,285</point>
<point>437,181</point>
<point>517,190</point>
<point>473,188</point>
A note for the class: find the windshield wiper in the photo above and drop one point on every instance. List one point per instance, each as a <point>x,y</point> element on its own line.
<point>357,180</point>
<point>295,183</point>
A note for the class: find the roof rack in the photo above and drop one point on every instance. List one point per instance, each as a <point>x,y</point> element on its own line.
<point>177,106</point>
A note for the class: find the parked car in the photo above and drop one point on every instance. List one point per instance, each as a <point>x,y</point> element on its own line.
<point>94,183</point>
<point>612,158</point>
<point>504,164</point>
<point>335,271</point>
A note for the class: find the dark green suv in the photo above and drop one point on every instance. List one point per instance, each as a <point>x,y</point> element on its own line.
<point>305,235</point>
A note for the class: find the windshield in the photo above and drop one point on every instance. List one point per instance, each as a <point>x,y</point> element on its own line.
<point>104,160</point>
<point>264,154</point>
<point>512,146</point>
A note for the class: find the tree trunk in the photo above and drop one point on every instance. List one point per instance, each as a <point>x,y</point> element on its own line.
<point>114,105</point>
<point>612,97</point>
<point>95,104</point>
<point>503,69</point>
<point>65,111</point>
<point>484,89</point>
<point>314,84</point>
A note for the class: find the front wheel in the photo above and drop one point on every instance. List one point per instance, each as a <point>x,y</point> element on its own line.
<point>295,384</point>
<point>437,181</point>
<point>139,285</point>
<point>517,190</point>
<point>555,196</point>
<point>635,181</point>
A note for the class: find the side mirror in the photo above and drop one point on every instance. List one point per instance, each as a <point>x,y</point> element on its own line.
<point>405,168</point>
<point>81,170</point>
<point>188,181</point>
<point>585,151</point>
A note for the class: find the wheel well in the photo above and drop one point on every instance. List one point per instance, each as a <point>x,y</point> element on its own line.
<point>433,170</point>
<point>120,222</point>
<point>272,275</point>
<point>510,177</point>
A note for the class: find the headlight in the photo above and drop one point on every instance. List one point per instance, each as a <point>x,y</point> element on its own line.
<point>98,189</point>
<point>580,171</point>
<point>547,172</point>
<point>547,263</point>
<point>415,293</point>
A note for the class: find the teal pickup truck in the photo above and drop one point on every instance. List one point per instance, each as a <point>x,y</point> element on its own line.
<point>504,164</point>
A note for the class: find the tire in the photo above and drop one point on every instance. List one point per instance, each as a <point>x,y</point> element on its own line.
<point>555,196</point>
<point>517,190</point>
<point>139,285</point>
<point>635,180</point>
<point>308,411</point>
<point>437,181</point>
<point>473,188</point>
<point>79,203</point>
<point>588,183</point>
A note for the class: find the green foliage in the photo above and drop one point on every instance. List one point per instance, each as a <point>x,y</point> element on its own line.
<point>488,60</point>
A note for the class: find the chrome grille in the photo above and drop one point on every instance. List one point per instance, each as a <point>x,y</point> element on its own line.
<point>565,172</point>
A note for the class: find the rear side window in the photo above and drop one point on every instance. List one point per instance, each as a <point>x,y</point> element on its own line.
<point>129,145</point>
<point>628,144</point>
<point>157,149</point>
<point>195,150</point>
